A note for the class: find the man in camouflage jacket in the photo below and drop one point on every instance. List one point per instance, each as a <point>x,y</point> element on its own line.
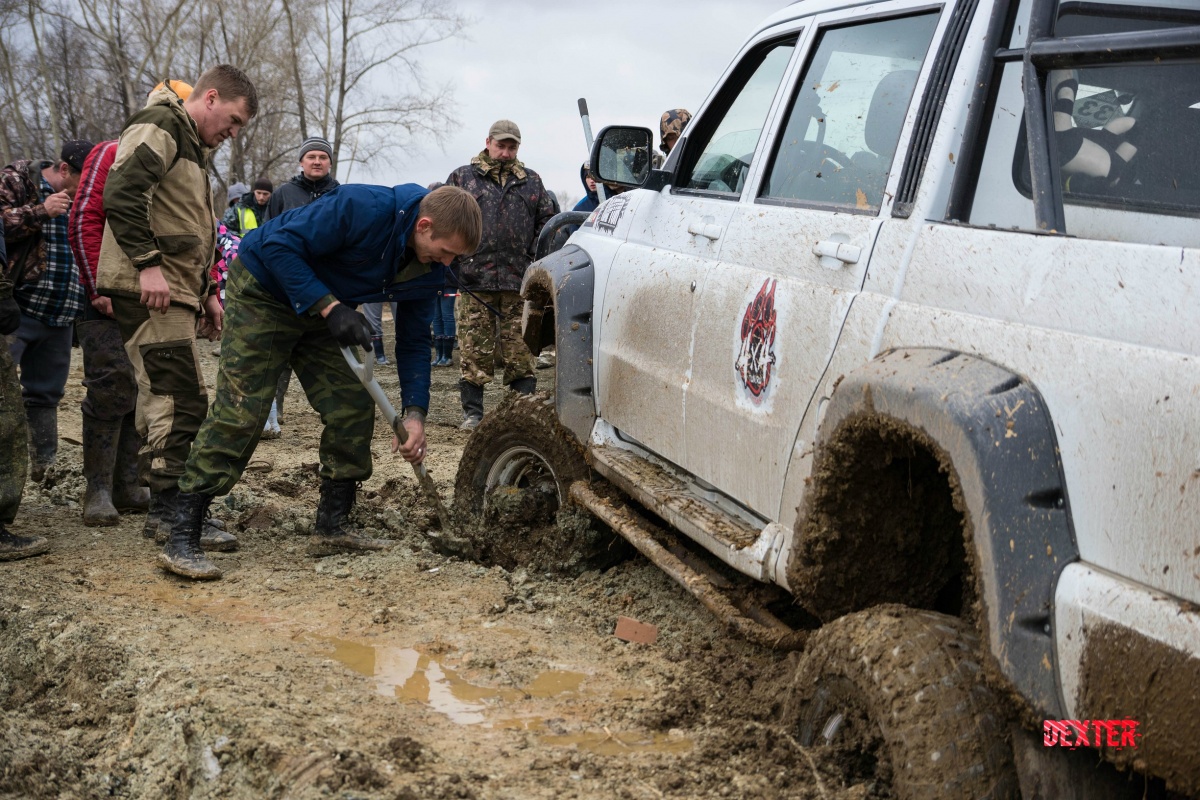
<point>159,243</point>
<point>515,206</point>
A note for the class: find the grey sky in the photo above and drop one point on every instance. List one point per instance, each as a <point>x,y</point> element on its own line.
<point>530,61</point>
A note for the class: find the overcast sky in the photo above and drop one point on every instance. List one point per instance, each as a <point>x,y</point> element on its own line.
<point>530,60</point>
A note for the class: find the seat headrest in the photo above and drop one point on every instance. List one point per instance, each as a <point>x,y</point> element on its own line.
<point>885,116</point>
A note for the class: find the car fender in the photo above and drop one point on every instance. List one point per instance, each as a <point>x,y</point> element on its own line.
<point>998,445</point>
<point>558,292</point>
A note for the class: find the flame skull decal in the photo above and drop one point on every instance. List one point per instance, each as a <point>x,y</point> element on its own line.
<point>756,357</point>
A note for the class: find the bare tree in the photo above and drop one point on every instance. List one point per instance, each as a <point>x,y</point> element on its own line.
<point>80,68</point>
<point>360,45</point>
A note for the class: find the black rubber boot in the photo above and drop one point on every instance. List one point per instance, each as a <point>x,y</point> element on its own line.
<point>183,554</point>
<point>127,492</point>
<point>285,378</point>
<point>214,537</point>
<point>13,546</point>
<point>333,534</point>
<point>524,385</point>
<point>100,438</point>
<point>158,517</point>
<point>43,440</point>
<point>472,404</point>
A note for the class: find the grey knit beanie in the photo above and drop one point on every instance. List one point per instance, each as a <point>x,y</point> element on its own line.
<point>316,143</point>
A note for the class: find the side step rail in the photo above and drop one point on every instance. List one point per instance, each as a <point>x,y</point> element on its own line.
<point>745,617</point>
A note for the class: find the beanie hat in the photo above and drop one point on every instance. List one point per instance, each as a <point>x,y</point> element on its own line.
<point>316,143</point>
<point>264,185</point>
<point>236,191</point>
<point>75,152</point>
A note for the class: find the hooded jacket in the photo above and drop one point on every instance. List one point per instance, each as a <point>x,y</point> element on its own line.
<point>299,191</point>
<point>590,198</point>
<point>513,215</point>
<point>158,203</point>
<point>23,214</point>
<point>352,244</point>
<point>245,215</point>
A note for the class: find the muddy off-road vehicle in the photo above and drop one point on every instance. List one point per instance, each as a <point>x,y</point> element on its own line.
<point>908,325</point>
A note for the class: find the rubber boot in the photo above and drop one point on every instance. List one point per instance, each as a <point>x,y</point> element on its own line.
<point>158,517</point>
<point>13,546</point>
<point>213,536</point>
<point>333,534</point>
<point>100,438</point>
<point>271,428</point>
<point>472,404</point>
<point>128,494</point>
<point>524,385</point>
<point>446,351</point>
<point>43,440</point>
<point>183,554</point>
<point>281,388</point>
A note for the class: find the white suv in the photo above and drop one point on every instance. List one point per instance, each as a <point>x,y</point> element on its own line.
<point>909,325</point>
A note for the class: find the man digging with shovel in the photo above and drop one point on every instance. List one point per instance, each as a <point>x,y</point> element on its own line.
<point>288,294</point>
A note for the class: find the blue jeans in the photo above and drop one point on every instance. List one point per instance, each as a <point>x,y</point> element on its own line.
<point>44,354</point>
<point>443,316</point>
<point>374,315</point>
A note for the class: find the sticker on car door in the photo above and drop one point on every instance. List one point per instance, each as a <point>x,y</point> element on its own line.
<point>609,214</point>
<point>756,358</point>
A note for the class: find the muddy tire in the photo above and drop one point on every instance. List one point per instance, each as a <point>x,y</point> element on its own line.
<point>512,492</point>
<point>898,694</point>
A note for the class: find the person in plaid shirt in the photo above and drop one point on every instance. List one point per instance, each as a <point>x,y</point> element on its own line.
<point>34,199</point>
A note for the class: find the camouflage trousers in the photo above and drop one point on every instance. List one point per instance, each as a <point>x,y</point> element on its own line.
<point>172,399</point>
<point>14,438</point>
<point>480,333</point>
<point>261,337</point>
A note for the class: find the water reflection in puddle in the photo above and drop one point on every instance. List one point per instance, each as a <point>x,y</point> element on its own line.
<point>408,674</point>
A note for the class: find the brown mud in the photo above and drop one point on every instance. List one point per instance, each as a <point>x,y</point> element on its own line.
<point>403,674</point>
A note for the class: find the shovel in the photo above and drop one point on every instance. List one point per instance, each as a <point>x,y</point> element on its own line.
<point>364,370</point>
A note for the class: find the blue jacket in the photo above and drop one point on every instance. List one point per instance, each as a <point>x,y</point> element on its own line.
<point>350,243</point>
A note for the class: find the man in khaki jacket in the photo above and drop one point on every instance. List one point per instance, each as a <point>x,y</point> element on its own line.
<point>159,243</point>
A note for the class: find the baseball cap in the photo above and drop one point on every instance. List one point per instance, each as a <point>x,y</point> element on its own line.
<point>505,129</point>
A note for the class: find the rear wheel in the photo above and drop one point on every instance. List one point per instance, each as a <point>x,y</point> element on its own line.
<point>512,488</point>
<point>897,697</point>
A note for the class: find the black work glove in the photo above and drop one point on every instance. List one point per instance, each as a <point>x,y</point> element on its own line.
<point>348,326</point>
<point>10,316</point>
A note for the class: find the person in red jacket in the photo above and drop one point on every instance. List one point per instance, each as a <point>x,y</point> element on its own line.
<point>110,437</point>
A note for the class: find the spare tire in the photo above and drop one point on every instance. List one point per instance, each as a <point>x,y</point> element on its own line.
<point>512,490</point>
<point>899,693</point>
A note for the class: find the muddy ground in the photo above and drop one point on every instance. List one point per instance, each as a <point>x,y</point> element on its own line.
<point>397,675</point>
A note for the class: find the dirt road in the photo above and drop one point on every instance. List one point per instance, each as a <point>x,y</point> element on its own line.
<point>398,675</point>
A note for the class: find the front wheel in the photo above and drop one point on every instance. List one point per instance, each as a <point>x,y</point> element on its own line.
<point>898,695</point>
<point>512,489</point>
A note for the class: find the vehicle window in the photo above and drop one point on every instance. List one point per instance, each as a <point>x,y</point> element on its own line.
<point>726,150</point>
<point>845,119</point>
<point>1126,136</point>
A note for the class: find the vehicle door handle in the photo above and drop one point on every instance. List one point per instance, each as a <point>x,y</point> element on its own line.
<point>711,232</point>
<point>834,254</point>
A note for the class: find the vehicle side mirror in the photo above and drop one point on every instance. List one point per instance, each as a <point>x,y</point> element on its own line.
<point>621,155</point>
